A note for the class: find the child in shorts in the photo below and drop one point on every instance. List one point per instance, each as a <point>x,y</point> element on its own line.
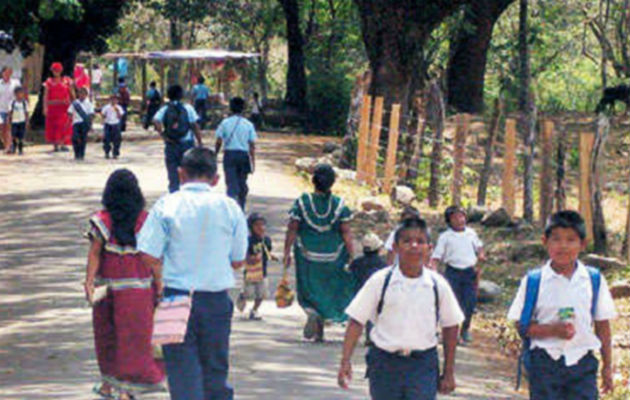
<point>18,117</point>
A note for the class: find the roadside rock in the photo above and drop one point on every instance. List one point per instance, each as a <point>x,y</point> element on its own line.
<point>620,289</point>
<point>476,213</point>
<point>528,251</point>
<point>306,164</point>
<point>488,291</point>
<point>496,218</point>
<point>330,147</point>
<point>603,263</point>
<point>404,195</point>
<point>346,174</point>
<point>371,203</point>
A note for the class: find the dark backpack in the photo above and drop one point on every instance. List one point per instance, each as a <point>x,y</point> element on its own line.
<point>155,99</point>
<point>124,96</point>
<point>176,123</point>
<point>531,298</point>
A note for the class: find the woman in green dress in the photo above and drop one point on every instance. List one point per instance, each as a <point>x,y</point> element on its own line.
<point>319,233</point>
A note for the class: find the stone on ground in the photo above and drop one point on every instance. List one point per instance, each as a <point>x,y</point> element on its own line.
<point>488,291</point>
<point>620,289</point>
<point>371,204</point>
<point>404,195</point>
<point>497,218</point>
<point>330,147</point>
<point>603,263</point>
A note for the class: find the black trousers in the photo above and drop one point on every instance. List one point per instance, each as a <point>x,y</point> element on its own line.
<point>79,140</point>
<point>112,139</point>
<point>200,107</point>
<point>236,166</point>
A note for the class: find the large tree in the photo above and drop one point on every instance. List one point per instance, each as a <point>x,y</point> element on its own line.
<point>296,74</point>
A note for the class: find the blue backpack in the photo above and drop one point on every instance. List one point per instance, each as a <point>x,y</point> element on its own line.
<point>531,298</point>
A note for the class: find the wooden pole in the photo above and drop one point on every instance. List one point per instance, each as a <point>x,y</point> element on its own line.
<point>587,139</point>
<point>144,82</point>
<point>115,76</point>
<point>375,136</point>
<point>509,166</point>
<point>161,67</point>
<point>364,127</point>
<point>91,61</point>
<point>463,122</point>
<point>392,147</point>
<point>546,172</point>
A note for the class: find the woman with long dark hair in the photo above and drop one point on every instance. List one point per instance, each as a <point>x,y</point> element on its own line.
<point>319,232</point>
<point>123,319</point>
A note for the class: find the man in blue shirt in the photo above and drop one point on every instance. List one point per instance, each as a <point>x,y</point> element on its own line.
<point>239,159</point>
<point>200,94</point>
<point>194,239</point>
<point>176,144</point>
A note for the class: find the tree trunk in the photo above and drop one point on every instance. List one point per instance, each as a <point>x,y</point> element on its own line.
<point>435,119</point>
<point>296,74</point>
<point>176,37</point>
<point>599,223</point>
<point>468,55</point>
<point>625,249</point>
<point>560,170</point>
<point>489,148</point>
<point>263,67</point>
<point>527,109</point>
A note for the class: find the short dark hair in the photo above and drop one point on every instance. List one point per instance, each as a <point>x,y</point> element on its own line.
<point>409,211</point>
<point>448,213</point>
<point>201,79</point>
<point>237,105</point>
<point>200,162</point>
<point>18,89</point>
<point>175,92</point>
<point>566,219</point>
<point>253,218</point>
<point>255,94</point>
<point>323,178</point>
<point>121,79</point>
<point>152,83</point>
<point>412,223</point>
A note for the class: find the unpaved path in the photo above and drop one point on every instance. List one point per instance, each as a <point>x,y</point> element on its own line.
<point>46,348</point>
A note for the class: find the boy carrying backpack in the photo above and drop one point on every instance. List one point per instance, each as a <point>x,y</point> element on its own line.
<point>555,309</point>
<point>176,122</point>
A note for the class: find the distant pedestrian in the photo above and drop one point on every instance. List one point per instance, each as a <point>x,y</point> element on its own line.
<point>112,137</point>
<point>97,78</point>
<point>58,95</point>
<point>7,95</point>
<point>176,122</point>
<point>123,319</point>
<point>82,112</point>
<point>193,240</point>
<point>124,99</point>
<point>152,105</point>
<point>200,94</point>
<point>18,119</point>
<point>238,136</point>
<point>257,115</point>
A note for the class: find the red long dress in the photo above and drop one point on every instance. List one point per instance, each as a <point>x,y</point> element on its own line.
<point>123,321</point>
<point>58,125</point>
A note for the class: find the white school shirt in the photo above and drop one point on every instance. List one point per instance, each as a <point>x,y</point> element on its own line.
<point>7,94</point>
<point>458,249</point>
<point>87,107</point>
<point>556,292</point>
<point>97,76</point>
<point>18,111</point>
<point>110,114</point>
<point>407,321</point>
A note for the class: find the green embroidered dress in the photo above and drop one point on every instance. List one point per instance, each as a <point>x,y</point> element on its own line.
<point>320,255</point>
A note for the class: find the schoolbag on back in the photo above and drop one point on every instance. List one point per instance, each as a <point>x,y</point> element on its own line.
<point>531,298</point>
<point>176,123</point>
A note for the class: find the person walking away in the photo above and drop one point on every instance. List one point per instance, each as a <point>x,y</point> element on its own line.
<point>193,240</point>
<point>97,79</point>
<point>7,95</point>
<point>407,303</point>
<point>257,115</point>
<point>124,99</point>
<point>460,249</point>
<point>176,122</point>
<point>255,282</point>
<point>82,113</point>
<point>112,137</point>
<point>200,94</point>
<point>238,136</point>
<point>123,320</point>
<point>58,95</point>
<point>152,105</point>
<point>562,311</point>
<point>319,234</point>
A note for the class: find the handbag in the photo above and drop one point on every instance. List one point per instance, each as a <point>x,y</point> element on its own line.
<point>284,294</point>
<point>170,321</point>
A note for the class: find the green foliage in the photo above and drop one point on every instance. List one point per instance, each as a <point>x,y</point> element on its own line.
<point>68,9</point>
<point>329,100</point>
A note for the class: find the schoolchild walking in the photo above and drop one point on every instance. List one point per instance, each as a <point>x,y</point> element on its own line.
<point>18,118</point>
<point>460,249</point>
<point>200,94</point>
<point>82,112</point>
<point>562,311</point>
<point>406,303</point>
<point>112,137</point>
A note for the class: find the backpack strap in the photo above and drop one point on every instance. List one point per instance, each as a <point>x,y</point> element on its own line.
<point>531,298</point>
<point>436,297</point>
<point>388,278</point>
<point>596,281</point>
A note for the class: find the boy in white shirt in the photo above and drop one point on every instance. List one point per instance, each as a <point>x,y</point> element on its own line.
<point>18,118</point>
<point>112,114</point>
<point>405,303</point>
<point>558,327</point>
<point>81,111</point>
<point>407,212</point>
<point>460,248</point>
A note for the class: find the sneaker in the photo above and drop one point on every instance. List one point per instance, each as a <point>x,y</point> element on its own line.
<point>310,329</point>
<point>253,315</point>
<point>466,338</point>
<point>107,156</point>
<point>241,302</point>
<point>64,149</point>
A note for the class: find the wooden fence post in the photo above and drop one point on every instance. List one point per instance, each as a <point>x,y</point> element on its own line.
<point>461,131</point>
<point>392,147</point>
<point>372,155</point>
<point>546,180</point>
<point>509,166</point>
<point>364,126</point>
<point>587,140</point>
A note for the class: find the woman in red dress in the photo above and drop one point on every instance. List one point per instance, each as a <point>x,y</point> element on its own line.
<point>123,320</point>
<point>58,95</point>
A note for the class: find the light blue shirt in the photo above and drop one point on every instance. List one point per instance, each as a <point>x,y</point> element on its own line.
<point>237,133</point>
<point>200,91</point>
<point>193,118</point>
<point>197,233</point>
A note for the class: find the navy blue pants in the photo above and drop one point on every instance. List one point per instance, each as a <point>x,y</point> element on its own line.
<point>236,167</point>
<point>173,154</point>
<point>553,380</point>
<point>462,282</point>
<point>112,139</point>
<point>198,368</point>
<point>200,108</point>
<point>79,140</point>
<point>394,377</point>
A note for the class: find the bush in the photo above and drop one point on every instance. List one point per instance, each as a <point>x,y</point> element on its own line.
<point>329,101</point>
